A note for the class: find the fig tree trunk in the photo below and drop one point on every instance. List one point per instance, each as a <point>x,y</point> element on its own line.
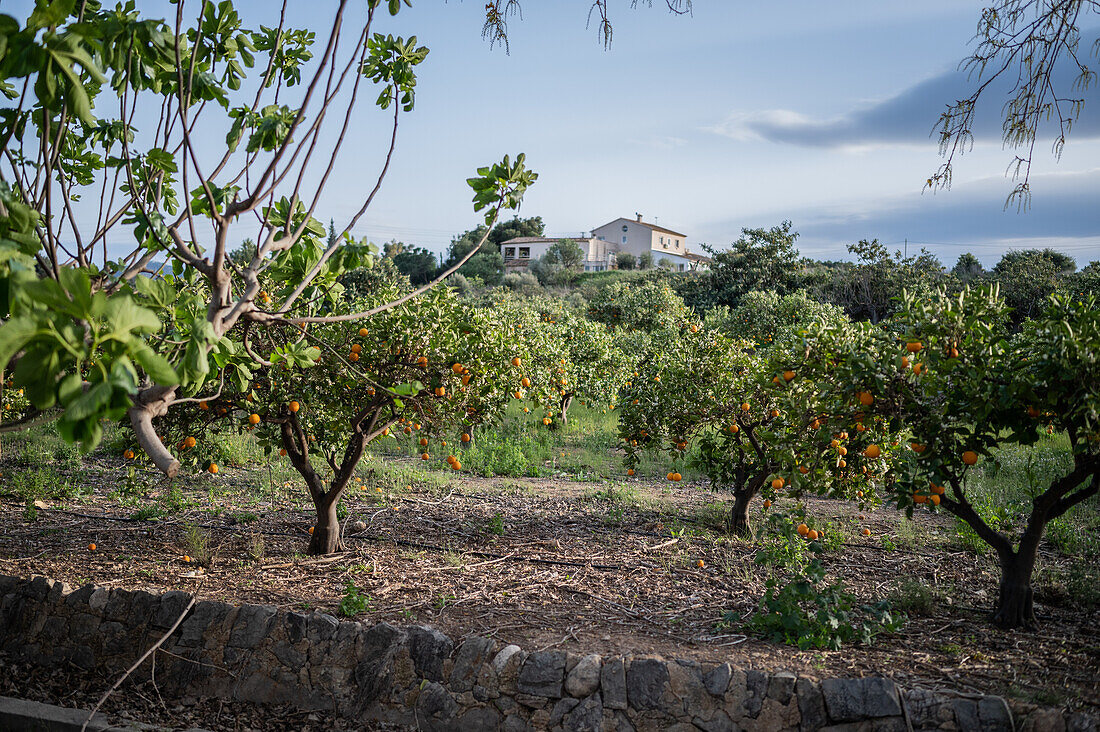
<point>326,537</point>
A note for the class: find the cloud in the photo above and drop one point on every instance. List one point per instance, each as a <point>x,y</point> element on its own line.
<point>907,118</point>
<point>1063,216</point>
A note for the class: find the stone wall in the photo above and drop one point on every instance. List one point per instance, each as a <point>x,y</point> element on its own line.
<point>416,676</point>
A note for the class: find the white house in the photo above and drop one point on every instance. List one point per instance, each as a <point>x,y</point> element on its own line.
<point>518,253</point>
<point>637,237</point>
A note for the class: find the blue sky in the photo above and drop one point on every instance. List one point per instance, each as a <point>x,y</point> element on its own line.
<point>741,115</point>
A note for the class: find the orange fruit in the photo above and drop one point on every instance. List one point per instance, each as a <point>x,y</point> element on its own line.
<point>916,446</point>
<point>872,451</point>
<point>920,498</point>
<point>282,451</point>
<point>457,368</point>
<point>842,464</point>
<point>353,356</point>
<point>937,490</point>
<point>842,450</point>
<point>129,454</point>
<point>834,443</point>
<point>294,406</point>
<point>767,503</point>
<point>422,361</point>
<point>970,457</point>
<point>466,380</point>
<point>189,441</point>
<point>204,406</point>
<point>424,456</point>
<point>803,469</point>
<point>866,532</point>
<point>363,332</point>
<point>186,559</point>
<point>700,563</point>
<point>914,346</point>
<point>356,348</point>
<point>91,547</point>
<point>775,380</point>
<point>525,382</point>
<point>213,469</point>
<point>775,413</point>
<point>311,530</point>
<point>935,499</point>
<point>905,362</point>
<point>866,398</point>
<point>630,471</point>
<point>788,375</point>
<point>451,459</point>
<point>253,418</point>
<point>745,407</point>
<point>778,483</point>
<point>803,529</point>
<point>516,362</point>
<point>669,476</point>
<point>456,465</point>
<point>423,441</point>
<point>812,535</point>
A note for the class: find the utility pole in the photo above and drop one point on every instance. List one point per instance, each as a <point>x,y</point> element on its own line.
<point>906,255</point>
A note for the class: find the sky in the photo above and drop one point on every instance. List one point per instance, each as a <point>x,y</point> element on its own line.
<point>738,115</point>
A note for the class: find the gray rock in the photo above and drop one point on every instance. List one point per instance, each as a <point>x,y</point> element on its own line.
<point>374,673</point>
<point>1082,722</point>
<point>617,721</point>
<point>435,708</point>
<point>685,682</point>
<point>584,678</point>
<point>502,658</point>
<point>756,688</point>
<point>994,715</point>
<point>480,719</point>
<point>542,674</point>
<point>288,656</point>
<point>850,700</point>
<point>513,723</point>
<point>811,705</point>
<point>171,606</point>
<point>83,626</point>
<point>881,724</point>
<point>205,614</point>
<point>613,683</point>
<point>80,598</point>
<point>295,625</point>
<point>717,679</point>
<point>320,628</point>
<point>781,686</point>
<point>428,649</point>
<point>98,599</point>
<point>471,655</point>
<point>534,701</point>
<point>563,707</point>
<point>251,625</point>
<point>646,680</point>
<point>719,722</point>
<point>113,638</point>
<point>585,717</point>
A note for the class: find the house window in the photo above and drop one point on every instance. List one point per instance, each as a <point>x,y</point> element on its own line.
<point>624,227</point>
<point>525,252</point>
<point>663,241</point>
<point>624,239</point>
<point>677,243</point>
<point>681,268</point>
<point>509,253</point>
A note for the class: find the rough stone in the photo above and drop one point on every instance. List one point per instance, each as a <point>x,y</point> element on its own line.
<point>881,724</point>
<point>429,648</point>
<point>646,681</point>
<point>685,682</point>
<point>435,709</point>
<point>781,686</point>
<point>203,615</point>
<point>171,606</point>
<point>811,705</point>
<point>1042,720</point>
<point>718,722</point>
<point>471,655</point>
<point>251,626</point>
<point>613,683</point>
<point>585,717</point>
<point>513,723</point>
<point>717,679</point>
<point>373,674</point>
<point>756,687</point>
<point>584,678</point>
<point>563,707</point>
<point>994,715</point>
<point>534,701</point>
<point>1081,722</point>
<point>542,674</point>
<point>506,666</point>
<point>320,628</point>
<point>98,599</point>
<point>850,700</point>
<point>479,719</point>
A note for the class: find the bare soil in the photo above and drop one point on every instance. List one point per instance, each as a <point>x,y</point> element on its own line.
<point>553,563</point>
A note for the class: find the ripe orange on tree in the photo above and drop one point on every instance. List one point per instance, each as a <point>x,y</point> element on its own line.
<point>213,469</point>
<point>872,451</point>
<point>425,456</point>
<point>970,457</point>
<point>129,454</point>
<point>788,375</point>
<point>630,471</point>
<point>294,406</point>
<point>914,346</point>
<point>363,332</point>
<point>778,483</point>
<point>465,436</point>
<point>189,441</point>
<point>866,398</point>
<point>253,418</point>
<point>516,362</point>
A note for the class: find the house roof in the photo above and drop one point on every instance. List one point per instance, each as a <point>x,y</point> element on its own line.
<point>696,257</point>
<point>646,224</point>
<point>539,239</point>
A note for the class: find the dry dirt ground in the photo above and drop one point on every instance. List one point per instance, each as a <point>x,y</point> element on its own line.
<point>548,563</point>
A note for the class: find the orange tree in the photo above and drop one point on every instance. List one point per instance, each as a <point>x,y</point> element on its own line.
<point>952,378</point>
<point>757,421</point>
<point>423,367</point>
